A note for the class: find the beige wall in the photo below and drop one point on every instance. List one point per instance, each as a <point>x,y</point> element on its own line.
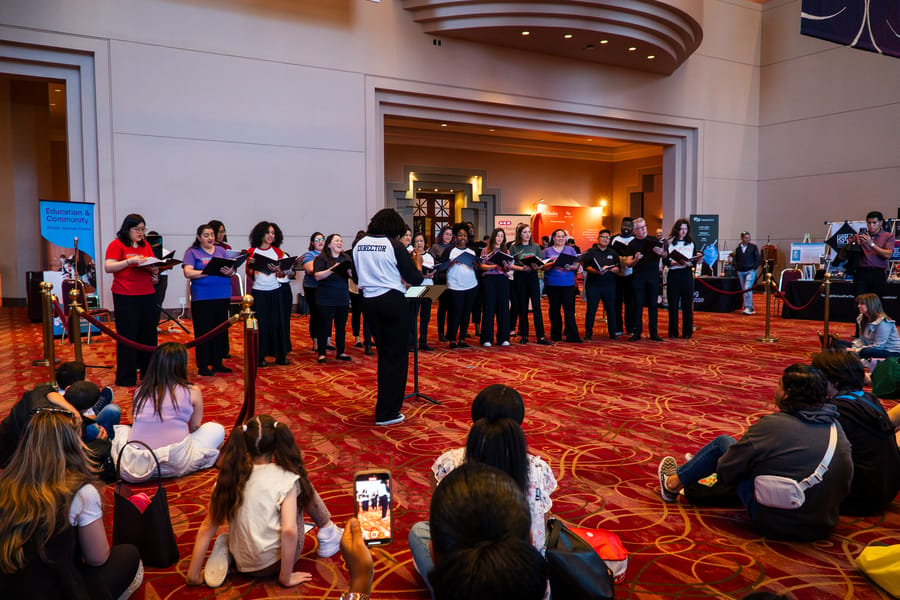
<point>829,125</point>
<point>268,110</point>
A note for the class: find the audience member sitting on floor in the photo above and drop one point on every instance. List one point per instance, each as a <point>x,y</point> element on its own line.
<point>497,440</point>
<point>168,412</point>
<point>261,492</point>
<point>878,336</point>
<point>790,443</point>
<point>876,458</point>
<point>52,540</point>
<point>43,396</point>
<point>103,411</point>
<point>480,525</point>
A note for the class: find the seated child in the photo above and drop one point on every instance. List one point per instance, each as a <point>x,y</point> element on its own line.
<point>85,396</point>
<point>103,410</point>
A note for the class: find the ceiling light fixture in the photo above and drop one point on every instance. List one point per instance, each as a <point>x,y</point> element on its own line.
<point>526,33</point>
<point>568,36</point>
<point>443,124</point>
<point>632,48</point>
<point>604,41</point>
<point>651,57</point>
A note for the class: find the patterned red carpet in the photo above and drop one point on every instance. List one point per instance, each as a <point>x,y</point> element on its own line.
<point>602,414</point>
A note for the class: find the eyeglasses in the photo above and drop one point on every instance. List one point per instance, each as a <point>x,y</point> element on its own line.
<point>604,236</point>
<point>319,239</point>
<point>53,410</point>
<point>139,228</point>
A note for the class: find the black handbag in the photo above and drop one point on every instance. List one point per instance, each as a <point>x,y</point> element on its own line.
<point>151,530</point>
<point>576,570</point>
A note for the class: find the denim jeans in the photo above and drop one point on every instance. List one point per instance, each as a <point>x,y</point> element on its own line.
<point>704,464</point>
<point>109,417</point>
<point>420,548</point>
<point>747,279</point>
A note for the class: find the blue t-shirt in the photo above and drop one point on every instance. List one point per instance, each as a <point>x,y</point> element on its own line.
<point>211,287</point>
<point>308,280</point>
<point>557,276</point>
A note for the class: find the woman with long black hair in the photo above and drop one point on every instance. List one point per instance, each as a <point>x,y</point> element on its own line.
<point>310,285</point>
<point>495,291</point>
<point>680,279</point>
<point>134,297</point>
<point>443,241</point>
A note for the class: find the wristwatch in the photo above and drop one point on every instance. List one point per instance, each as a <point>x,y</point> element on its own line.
<point>872,244</point>
<point>354,596</point>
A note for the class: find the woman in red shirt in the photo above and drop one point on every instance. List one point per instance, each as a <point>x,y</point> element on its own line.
<point>134,299</point>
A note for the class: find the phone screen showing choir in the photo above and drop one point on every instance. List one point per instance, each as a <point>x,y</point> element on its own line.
<point>373,506</point>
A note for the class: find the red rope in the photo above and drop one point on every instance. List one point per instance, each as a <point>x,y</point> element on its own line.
<point>213,332</point>
<point>805,306</point>
<point>731,293</point>
<point>57,308</point>
<point>111,333</point>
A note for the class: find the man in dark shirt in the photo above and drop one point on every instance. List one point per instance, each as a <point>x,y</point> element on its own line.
<point>624,291</point>
<point>746,263</point>
<point>877,245</point>
<point>644,252</point>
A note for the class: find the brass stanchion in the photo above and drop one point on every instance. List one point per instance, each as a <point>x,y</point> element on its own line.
<point>49,360</point>
<point>768,339</point>
<point>827,312</point>
<point>250,332</point>
<point>75,323</point>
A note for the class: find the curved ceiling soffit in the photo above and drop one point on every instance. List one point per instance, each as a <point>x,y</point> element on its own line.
<point>622,33</point>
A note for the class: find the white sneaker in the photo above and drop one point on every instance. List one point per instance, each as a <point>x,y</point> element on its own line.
<point>747,311</point>
<point>329,540</point>
<point>504,344</point>
<point>486,344</point>
<point>217,564</point>
<point>398,419</point>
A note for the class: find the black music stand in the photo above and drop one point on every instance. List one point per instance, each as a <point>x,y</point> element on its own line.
<point>416,294</point>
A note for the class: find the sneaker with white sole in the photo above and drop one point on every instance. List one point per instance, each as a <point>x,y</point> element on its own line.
<point>486,344</point>
<point>504,343</point>
<point>329,540</point>
<point>667,467</point>
<point>217,564</point>
<point>398,419</point>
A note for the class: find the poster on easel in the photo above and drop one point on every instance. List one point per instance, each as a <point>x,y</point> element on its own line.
<point>67,229</point>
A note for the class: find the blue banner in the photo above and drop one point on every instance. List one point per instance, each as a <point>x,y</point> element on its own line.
<point>62,222</point>
<point>872,25</point>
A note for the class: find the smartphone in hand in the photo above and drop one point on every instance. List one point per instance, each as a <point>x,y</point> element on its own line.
<point>373,497</point>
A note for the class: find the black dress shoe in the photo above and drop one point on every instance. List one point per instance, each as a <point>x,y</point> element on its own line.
<point>544,342</point>
<point>636,337</point>
<point>221,369</point>
<point>282,361</point>
<point>588,336</point>
<point>613,337</point>
<point>574,341</point>
<point>358,344</point>
<point>330,347</point>
<point>454,345</point>
<point>443,338</point>
<point>262,363</point>
<point>206,372</point>
<point>524,339</point>
<point>369,351</point>
<point>463,345</point>
<point>656,338</point>
<point>425,348</point>
<point>344,357</point>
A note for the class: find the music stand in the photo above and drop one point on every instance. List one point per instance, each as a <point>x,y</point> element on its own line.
<point>416,295</point>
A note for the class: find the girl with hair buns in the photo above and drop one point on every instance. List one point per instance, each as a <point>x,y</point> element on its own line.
<point>52,540</point>
<point>261,492</point>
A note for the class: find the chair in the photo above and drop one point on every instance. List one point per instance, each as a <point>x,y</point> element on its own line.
<point>237,293</point>
<point>787,275</point>
<point>76,284</point>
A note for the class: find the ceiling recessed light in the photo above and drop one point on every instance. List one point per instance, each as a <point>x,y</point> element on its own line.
<point>443,124</point>
<point>435,189</point>
<point>526,33</point>
<point>589,47</point>
<point>632,48</point>
<point>651,57</point>
<point>590,139</point>
<point>604,41</point>
<point>568,36</point>
<point>53,104</point>
<point>57,89</point>
<point>492,130</point>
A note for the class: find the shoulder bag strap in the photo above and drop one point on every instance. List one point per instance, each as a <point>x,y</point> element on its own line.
<point>152,453</point>
<point>820,471</point>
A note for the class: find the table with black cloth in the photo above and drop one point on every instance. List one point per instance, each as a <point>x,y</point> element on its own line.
<point>710,300</point>
<point>843,303</point>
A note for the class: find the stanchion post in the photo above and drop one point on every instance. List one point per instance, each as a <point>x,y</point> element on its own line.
<point>47,330</point>
<point>75,323</point>
<point>250,327</point>
<point>827,313</point>
<point>768,339</point>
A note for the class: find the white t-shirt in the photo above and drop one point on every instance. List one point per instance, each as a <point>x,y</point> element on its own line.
<point>461,277</point>
<point>265,281</point>
<point>541,483</point>
<point>86,506</point>
<point>254,538</point>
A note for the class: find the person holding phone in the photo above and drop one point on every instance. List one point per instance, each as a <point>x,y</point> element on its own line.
<point>263,506</point>
<point>877,245</point>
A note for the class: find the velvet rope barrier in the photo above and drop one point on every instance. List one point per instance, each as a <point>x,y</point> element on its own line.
<point>730,293</point>
<point>57,308</point>
<point>251,361</point>
<point>799,308</point>
<point>114,335</point>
